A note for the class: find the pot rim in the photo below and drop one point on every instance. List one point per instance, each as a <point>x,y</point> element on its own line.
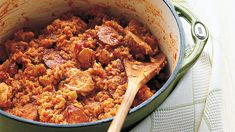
<point>133,110</point>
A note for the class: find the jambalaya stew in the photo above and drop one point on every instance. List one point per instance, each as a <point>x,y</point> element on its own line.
<point>72,70</point>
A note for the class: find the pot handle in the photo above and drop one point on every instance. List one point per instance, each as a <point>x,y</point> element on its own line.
<point>199,33</point>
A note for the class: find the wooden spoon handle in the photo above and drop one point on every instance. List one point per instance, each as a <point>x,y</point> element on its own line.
<point>119,119</point>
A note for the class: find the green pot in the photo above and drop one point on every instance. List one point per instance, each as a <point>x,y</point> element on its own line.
<point>161,16</point>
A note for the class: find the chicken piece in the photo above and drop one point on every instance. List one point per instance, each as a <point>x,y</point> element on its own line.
<point>75,115</point>
<point>52,58</point>
<point>108,35</point>
<point>104,57</point>
<point>4,94</point>
<point>115,26</point>
<point>29,111</point>
<point>138,47</point>
<point>86,57</point>
<point>80,81</point>
<point>143,32</point>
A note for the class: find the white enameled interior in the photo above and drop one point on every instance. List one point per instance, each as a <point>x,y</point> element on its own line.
<point>15,14</point>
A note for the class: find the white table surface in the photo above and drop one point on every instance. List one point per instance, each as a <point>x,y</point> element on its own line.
<point>226,15</point>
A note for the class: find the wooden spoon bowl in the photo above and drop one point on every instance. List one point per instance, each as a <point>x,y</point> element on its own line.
<point>138,73</point>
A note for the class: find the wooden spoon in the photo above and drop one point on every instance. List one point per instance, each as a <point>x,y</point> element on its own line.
<point>138,73</point>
